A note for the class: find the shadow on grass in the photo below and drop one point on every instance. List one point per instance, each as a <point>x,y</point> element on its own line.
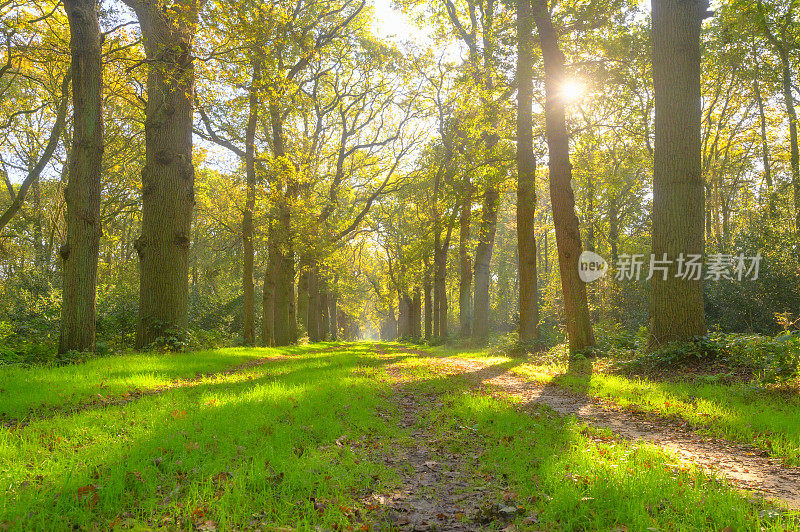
<point>273,447</point>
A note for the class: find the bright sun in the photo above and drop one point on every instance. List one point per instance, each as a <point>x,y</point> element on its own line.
<point>572,90</point>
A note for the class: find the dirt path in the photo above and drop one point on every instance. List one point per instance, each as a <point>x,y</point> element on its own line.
<point>440,490</point>
<point>740,465</point>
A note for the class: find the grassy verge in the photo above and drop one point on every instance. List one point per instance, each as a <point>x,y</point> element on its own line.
<point>768,419</point>
<point>24,391</point>
<point>283,447</point>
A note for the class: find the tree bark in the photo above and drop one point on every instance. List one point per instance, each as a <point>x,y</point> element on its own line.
<point>794,153</point>
<point>78,311</point>
<point>676,305</point>
<point>568,236</point>
<point>416,315</point>
<point>333,301</point>
<point>325,319</point>
<point>314,313</point>
<point>285,310</point>
<point>268,295</point>
<point>428,289</point>
<point>526,179</point>
<point>168,174</point>
<point>250,204</point>
<point>483,259</point>
<point>465,273</point>
<point>764,144</point>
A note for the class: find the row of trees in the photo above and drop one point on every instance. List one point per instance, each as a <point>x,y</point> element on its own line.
<point>291,152</point>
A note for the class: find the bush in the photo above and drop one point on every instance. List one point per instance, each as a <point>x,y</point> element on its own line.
<point>770,359</point>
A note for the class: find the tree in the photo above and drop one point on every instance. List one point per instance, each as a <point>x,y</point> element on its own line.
<point>79,252</point>
<point>676,304</point>
<point>168,174</point>
<point>568,236</point>
<point>526,178</point>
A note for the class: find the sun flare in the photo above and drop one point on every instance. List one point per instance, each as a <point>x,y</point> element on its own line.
<point>572,90</point>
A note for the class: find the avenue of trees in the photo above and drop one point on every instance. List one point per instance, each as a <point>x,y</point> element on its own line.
<point>201,172</point>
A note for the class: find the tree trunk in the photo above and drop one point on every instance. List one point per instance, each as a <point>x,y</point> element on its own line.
<point>428,289</point>
<point>764,145</point>
<point>676,305</point>
<point>333,313</point>
<point>483,259</point>
<point>285,310</point>
<point>465,273</point>
<point>526,179</point>
<point>168,174</point>
<point>314,314</point>
<point>268,298</point>
<point>440,291</point>
<point>248,259</point>
<point>324,321</point>
<point>416,314</point>
<point>78,312</point>
<point>568,236</point>
<point>302,295</point>
<point>613,228</point>
<point>794,153</point>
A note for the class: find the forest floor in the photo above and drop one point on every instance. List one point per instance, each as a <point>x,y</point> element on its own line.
<point>386,437</point>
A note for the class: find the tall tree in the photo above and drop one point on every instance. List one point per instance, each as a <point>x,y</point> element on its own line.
<point>79,252</point>
<point>784,41</point>
<point>248,258</point>
<point>676,304</point>
<point>568,236</point>
<point>526,178</point>
<point>168,175</point>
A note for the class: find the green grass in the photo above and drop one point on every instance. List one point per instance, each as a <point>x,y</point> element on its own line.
<point>572,477</point>
<point>766,418</point>
<point>297,442</point>
<point>230,452</point>
<point>26,389</point>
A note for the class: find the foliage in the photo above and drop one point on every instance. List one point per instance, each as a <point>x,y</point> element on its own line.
<point>770,359</point>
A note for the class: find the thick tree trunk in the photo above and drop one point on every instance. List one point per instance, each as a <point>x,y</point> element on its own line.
<point>676,304</point>
<point>325,319</point>
<point>168,174</point>
<point>465,273</point>
<point>483,259</point>
<point>314,313</point>
<point>403,318</point>
<point>302,295</point>
<point>526,179</point>
<point>568,236</point>
<point>78,312</point>
<point>268,297</point>
<point>285,309</point>
<point>333,301</point>
<point>248,258</point>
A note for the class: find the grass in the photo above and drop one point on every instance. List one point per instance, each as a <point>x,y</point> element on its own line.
<point>571,477</point>
<point>24,390</point>
<point>768,419</point>
<point>268,450</point>
<point>297,442</point>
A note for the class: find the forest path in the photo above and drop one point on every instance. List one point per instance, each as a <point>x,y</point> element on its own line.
<point>742,466</point>
<point>440,490</point>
